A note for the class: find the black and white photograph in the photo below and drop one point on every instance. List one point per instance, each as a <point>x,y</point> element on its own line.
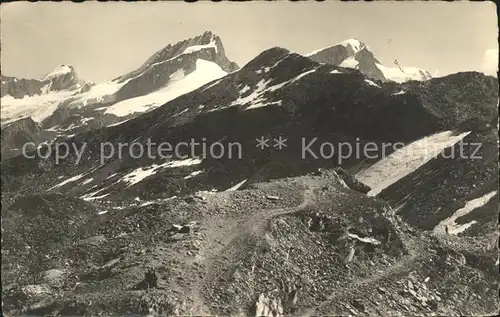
<point>249,158</point>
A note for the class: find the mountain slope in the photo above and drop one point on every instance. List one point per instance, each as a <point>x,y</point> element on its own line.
<point>277,93</point>
<point>355,54</point>
<point>270,231</point>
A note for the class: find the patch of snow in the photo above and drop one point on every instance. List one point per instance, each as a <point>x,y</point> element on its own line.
<point>235,187</point>
<point>453,227</point>
<point>80,123</point>
<point>244,89</point>
<point>335,72</point>
<point>181,112</point>
<point>401,92</point>
<point>268,68</point>
<point>103,212</point>
<point>118,123</point>
<point>355,45</point>
<point>405,160</point>
<point>69,180</point>
<point>157,201</point>
<point>146,203</point>
<point>349,62</point>
<point>91,196</point>
<point>253,97</point>
<point>365,239</point>
<point>371,83</point>
<point>179,163</point>
<point>213,84</point>
<point>38,107</point>
<point>256,98</point>
<point>205,72</point>
<point>95,197</point>
<point>193,174</point>
<point>260,104</point>
<point>85,182</point>
<point>177,75</point>
<point>100,93</point>
<point>206,192</point>
<point>196,48</point>
<point>111,176</point>
<point>141,173</point>
<point>291,81</point>
<point>297,78</point>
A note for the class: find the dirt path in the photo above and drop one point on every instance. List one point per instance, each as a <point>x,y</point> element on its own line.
<point>228,237</point>
<point>403,267</point>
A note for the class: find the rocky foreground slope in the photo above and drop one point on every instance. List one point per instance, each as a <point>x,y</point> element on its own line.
<point>317,248</point>
<point>270,233</point>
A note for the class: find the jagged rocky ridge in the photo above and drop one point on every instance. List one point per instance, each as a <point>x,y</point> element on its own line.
<point>293,239</point>
<point>63,77</point>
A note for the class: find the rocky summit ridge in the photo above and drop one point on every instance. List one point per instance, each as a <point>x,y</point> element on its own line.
<point>356,54</point>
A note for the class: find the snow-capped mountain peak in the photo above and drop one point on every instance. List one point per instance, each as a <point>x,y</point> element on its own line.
<point>353,53</point>
<point>207,46</point>
<point>61,101</point>
<point>63,77</point>
<point>58,71</point>
<point>353,44</point>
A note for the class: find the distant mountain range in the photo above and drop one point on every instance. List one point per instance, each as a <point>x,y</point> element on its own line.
<point>63,104</point>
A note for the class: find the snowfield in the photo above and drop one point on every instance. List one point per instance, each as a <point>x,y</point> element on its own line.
<point>141,173</point>
<point>453,227</point>
<point>402,162</point>
<point>38,107</point>
<point>42,106</point>
<point>103,92</point>
<point>408,73</point>
<point>179,85</point>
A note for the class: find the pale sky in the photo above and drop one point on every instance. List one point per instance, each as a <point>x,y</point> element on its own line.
<point>105,40</point>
